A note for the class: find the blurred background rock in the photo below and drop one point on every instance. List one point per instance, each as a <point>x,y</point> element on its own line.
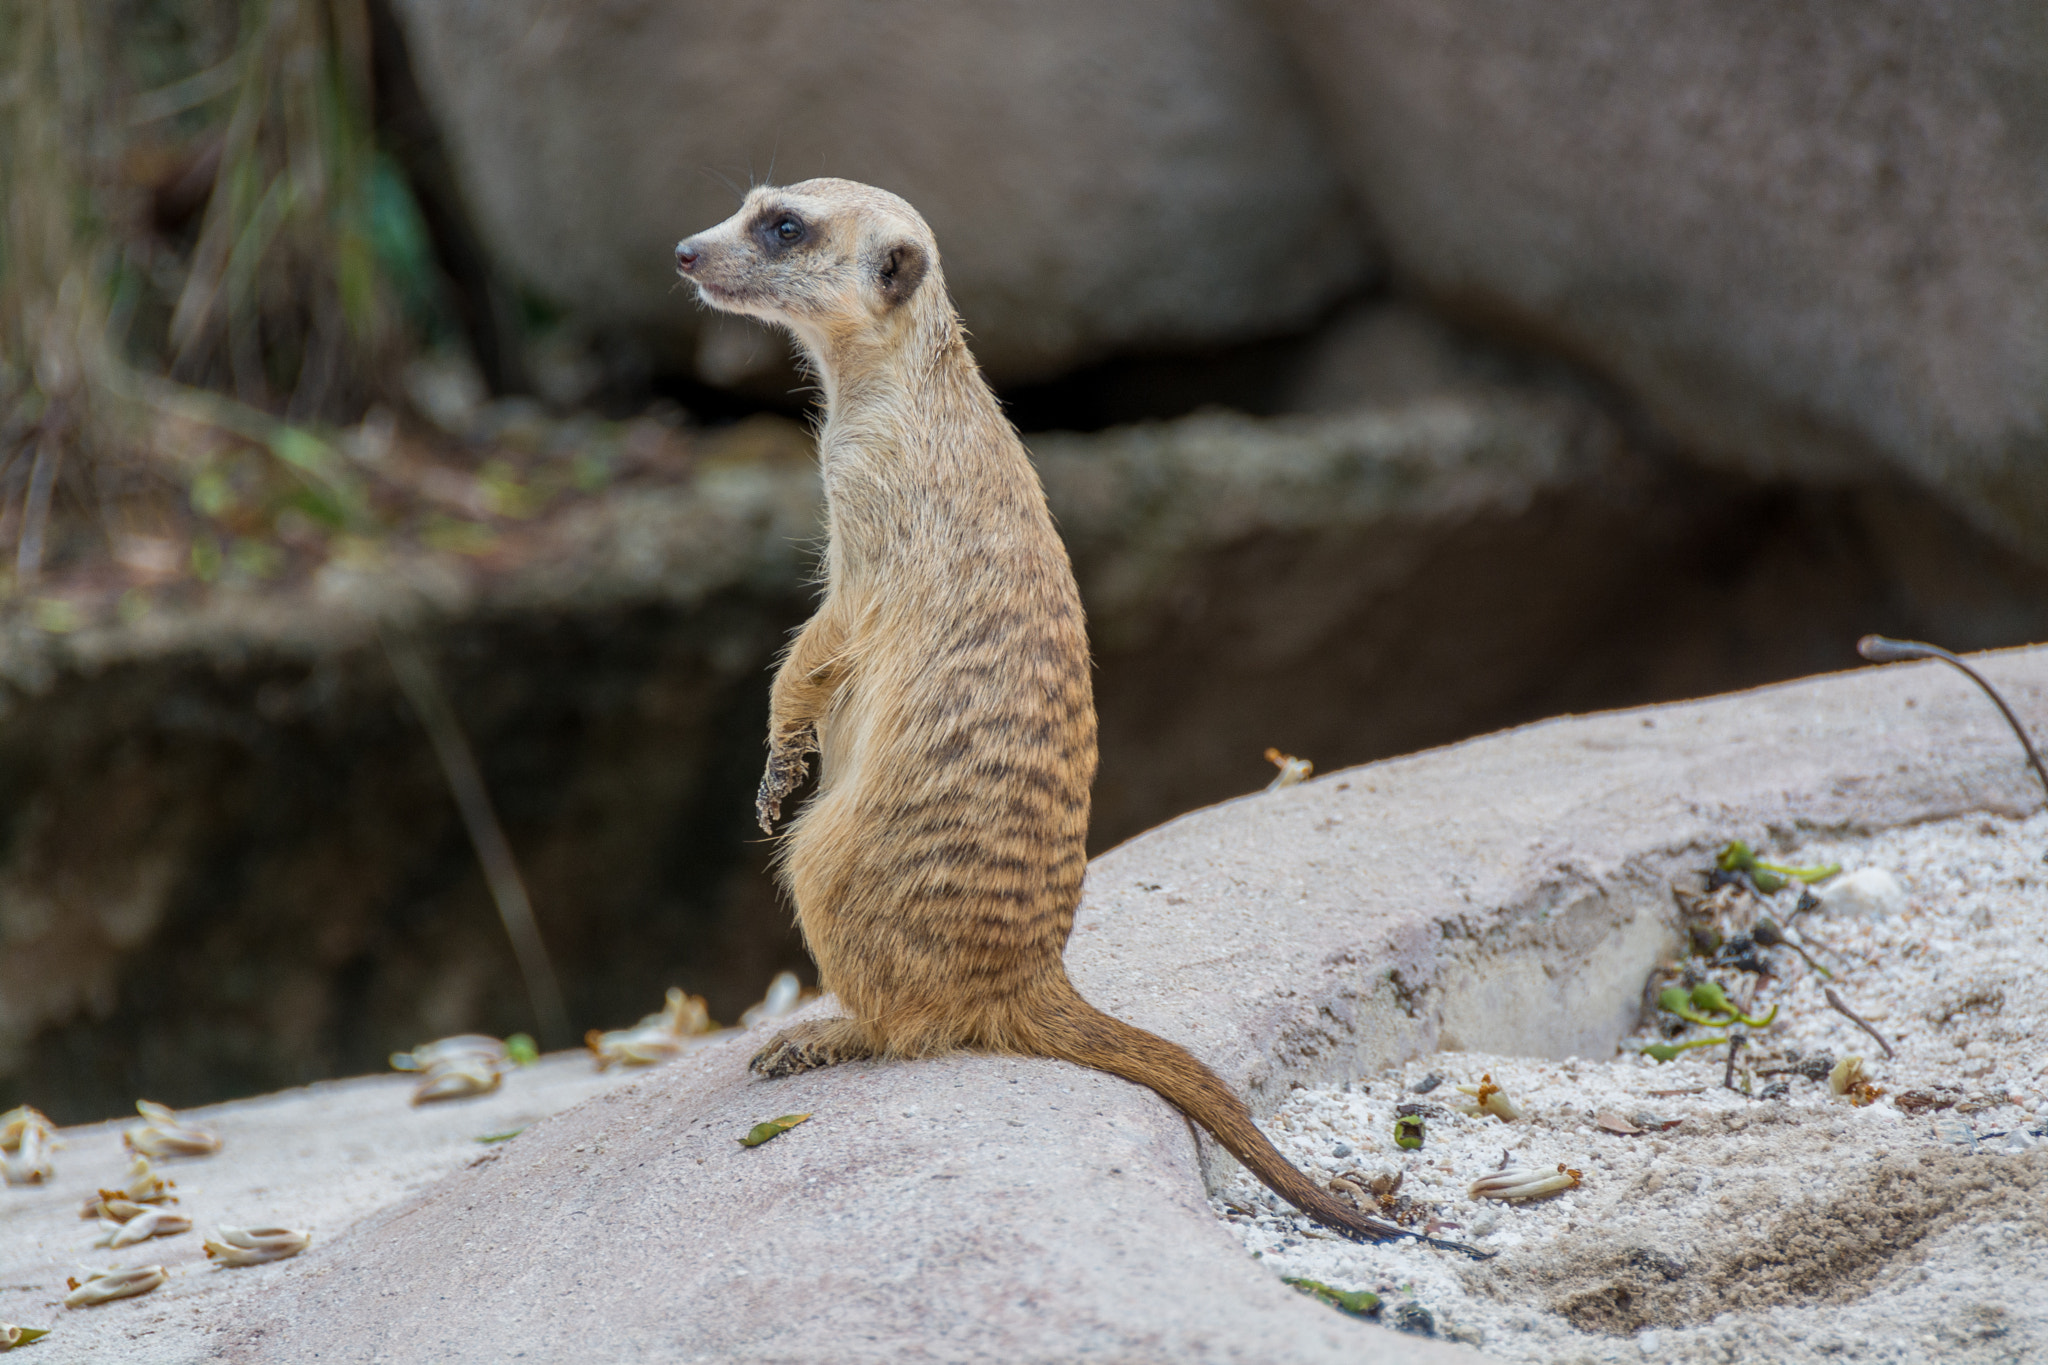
<point>1397,372</point>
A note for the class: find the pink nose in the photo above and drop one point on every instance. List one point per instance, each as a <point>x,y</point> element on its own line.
<point>686,259</point>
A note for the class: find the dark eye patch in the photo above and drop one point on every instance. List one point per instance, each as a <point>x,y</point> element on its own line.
<point>780,229</point>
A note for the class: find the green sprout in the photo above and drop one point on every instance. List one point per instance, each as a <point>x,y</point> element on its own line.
<point>1409,1131</point>
<point>1708,996</point>
<point>1769,877</point>
<point>1665,1052</point>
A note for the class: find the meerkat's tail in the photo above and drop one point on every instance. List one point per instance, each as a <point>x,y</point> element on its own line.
<point>1078,1032</point>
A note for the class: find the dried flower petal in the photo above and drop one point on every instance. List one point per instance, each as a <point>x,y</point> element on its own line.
<point>16,1123</point>
<point>29,1163</point>
<point>144,1186</point>
<point>144,1224</point>
<point>1293,771</point>
<point>785,993</point>
<point>256,1246</point>
<point>657,1037</point>
<point>455,1068</point>
<point>458,1078</point>
<point>427,1055</point>
<point>104,1286</point>
<point>115,1210</point>
<point>12,1336</point>
<point>1524,1182</point>
<point>165,1135</point>
<point>1490,1099</point>
<point>27,1137</point>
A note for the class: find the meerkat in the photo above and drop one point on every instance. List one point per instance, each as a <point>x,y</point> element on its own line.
<point>943,685</point>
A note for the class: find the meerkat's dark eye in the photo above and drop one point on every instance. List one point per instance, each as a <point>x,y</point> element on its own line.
<point>788,228</point>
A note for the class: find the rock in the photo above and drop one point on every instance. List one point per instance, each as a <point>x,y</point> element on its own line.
<point>1298,953</point>
<point>1870,892</point>
<point>1392,353</point>
<point>1101,178</point>
<point>1413,1318</point>
<point>1812,241</point>
<point>1497,894</point>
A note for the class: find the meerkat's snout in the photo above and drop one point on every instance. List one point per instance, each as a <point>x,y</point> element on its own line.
<point>687,256</point>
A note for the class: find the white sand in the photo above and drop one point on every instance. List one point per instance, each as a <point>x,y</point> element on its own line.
<point>1789,1228</point>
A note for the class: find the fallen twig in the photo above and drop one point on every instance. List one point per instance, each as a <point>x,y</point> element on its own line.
<point>1735,1041</point>
<point>422,688</point>
<point>1878,649</point>
<point>1858,1020</point>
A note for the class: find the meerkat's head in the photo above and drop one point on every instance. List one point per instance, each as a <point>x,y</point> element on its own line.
<point>834,261</point>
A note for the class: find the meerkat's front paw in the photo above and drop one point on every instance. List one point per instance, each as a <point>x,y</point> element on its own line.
<point>786,1056</point>
<point>808,1046</point>
<point>786,772</point>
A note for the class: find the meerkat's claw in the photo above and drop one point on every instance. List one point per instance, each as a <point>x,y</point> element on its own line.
<point>787,769</point>
<point>787,1056</point>
<point>808,1046</point>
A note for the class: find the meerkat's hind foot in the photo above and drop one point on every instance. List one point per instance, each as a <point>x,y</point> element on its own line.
<point>810,1045</point>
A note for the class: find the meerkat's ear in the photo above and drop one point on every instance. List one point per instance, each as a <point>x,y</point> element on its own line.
<point>900,270</point>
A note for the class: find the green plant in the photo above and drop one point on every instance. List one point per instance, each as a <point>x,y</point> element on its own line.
<point>140,356</point>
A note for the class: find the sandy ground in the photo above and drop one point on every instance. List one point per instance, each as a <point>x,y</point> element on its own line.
<point>319,1159</point>
<point>1787,1224</point>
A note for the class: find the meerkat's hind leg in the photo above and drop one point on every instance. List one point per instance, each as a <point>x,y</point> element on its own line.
<point>810,1045</point>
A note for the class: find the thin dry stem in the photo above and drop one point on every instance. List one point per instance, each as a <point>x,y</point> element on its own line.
<point>422,687</point>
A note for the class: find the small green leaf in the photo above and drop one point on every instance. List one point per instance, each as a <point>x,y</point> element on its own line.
<point>1769,877</point>
<point>521,1048</point>
<point>1676,1000</point>
<point>1665,1052</point>
<point>57,616</point>
<point>205,558</point>
<point>1409,1131</point>
<point>1361,1303</point>
<point>1709,996</point>
<point>505,1136</point>
<point>459,537</point>
<point>212,494</point>
<point>772,1128</point>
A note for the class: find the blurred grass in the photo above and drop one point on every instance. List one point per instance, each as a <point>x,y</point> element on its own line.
<point>206,266</point>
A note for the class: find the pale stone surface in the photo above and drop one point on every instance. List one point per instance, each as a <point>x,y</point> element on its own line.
<point>1504,894</point>
<point>1100,177</point>
<point>1868,891</point>
<point>1811,238</point>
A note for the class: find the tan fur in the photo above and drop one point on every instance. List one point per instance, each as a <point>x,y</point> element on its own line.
<point>944,684</point>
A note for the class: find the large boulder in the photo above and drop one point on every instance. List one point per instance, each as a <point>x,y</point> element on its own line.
<point>1509,895</point>
<point>1101,177</point>
<point>1811,238</point>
